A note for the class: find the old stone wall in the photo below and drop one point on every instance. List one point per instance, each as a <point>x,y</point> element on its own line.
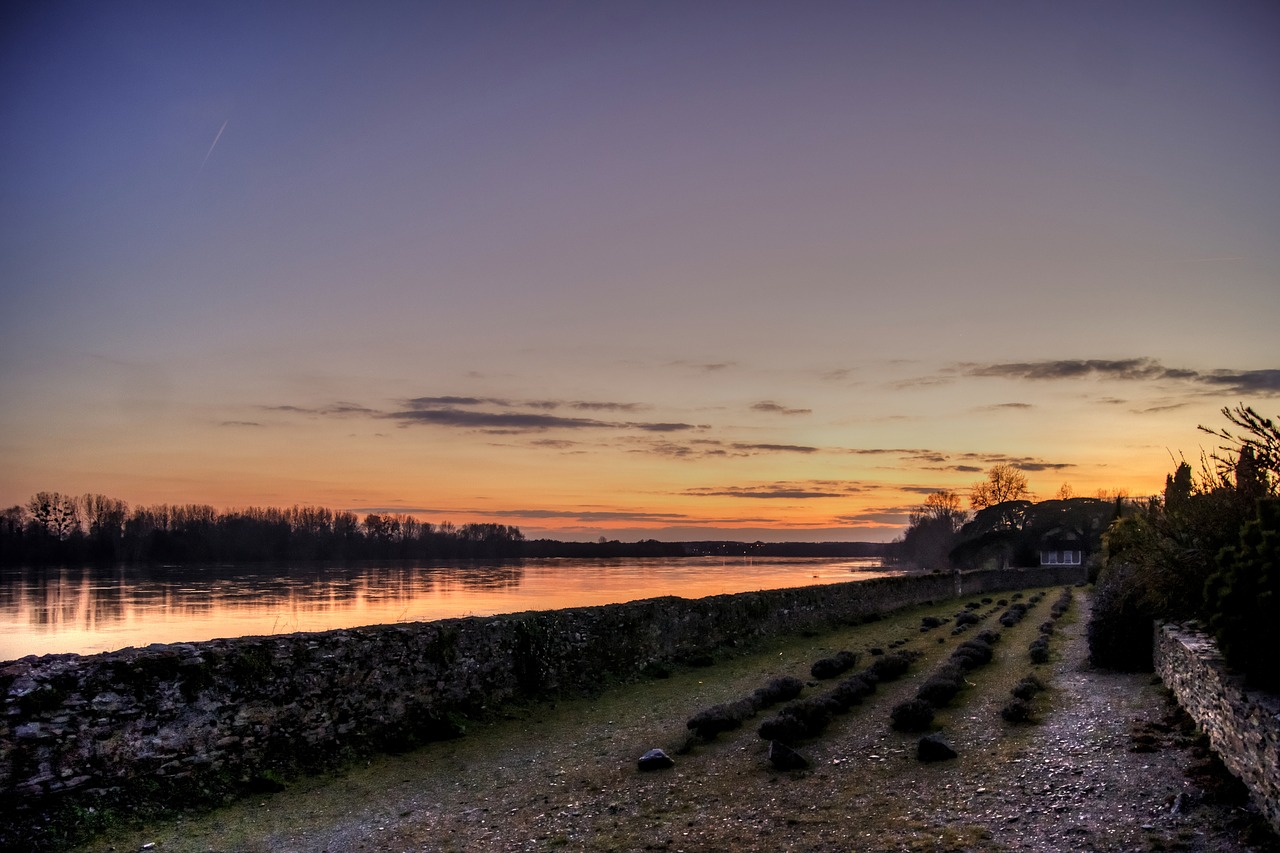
<point>1243,725</point>
<point>192,722</point>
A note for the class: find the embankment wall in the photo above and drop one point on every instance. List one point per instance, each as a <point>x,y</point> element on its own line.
<point>192,722</point>
<point>1243,725</point>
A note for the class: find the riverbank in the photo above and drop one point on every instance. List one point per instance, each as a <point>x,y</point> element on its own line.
<point>1110,767</point>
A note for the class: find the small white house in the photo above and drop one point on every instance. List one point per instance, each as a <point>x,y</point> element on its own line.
<point>1061,553</point>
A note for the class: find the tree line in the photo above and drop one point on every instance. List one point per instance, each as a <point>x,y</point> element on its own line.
<point>54,528</point>
<point>1004,525</point>
<point>57,529</point>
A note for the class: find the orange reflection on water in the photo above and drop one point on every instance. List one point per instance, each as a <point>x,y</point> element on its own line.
<point>94,610</point>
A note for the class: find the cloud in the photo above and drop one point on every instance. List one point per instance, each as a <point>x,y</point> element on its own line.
<point>240,424</point>
<point>1124,369</point>
<point>507,421</point>
<point>475,413</point>
<point>680,451</point>
<point>554,443</point>
<point>339,408</point>
<point>1245,381</point>
<point>995,407</point>
<point>896,516</point>
<point>775,448</point>
<point>909,452</point>
<point>589,515</point>
<point>705,367</point>
<point>506,403</point>
<point>807,490</point>
<point>1022,463</point>
<point>589,406</point>
<point>1168,407</point>
<point>1265,382</point>
<point>701,448</point>
<point>776,408</point>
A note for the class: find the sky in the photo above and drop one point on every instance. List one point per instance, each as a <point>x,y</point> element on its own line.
<point>673,270</point>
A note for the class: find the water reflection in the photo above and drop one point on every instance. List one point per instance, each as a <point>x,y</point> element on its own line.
<point>91,610</point>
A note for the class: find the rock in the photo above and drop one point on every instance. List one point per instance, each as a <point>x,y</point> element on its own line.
<point>784,757</point>
<point>934,748</point>
<point>655,759</point>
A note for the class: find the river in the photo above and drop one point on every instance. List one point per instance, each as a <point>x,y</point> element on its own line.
<point>86,611</point>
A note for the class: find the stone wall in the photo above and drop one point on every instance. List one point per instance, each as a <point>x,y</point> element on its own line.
<point>1243,725</point>
<point>197,722</point>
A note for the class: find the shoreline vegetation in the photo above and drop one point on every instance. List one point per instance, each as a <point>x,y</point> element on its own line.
<point>57,529</point>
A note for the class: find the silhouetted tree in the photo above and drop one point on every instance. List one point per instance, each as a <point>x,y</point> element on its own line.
<point>53,514</point>
<point>1003,483</point>
<point>931,530</point>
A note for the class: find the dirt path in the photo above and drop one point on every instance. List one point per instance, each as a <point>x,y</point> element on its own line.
<point>563,776</point>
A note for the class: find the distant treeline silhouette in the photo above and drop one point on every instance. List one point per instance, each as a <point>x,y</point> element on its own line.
<point>56,529</point>
<point>710,548</point>
<point>52,528</point>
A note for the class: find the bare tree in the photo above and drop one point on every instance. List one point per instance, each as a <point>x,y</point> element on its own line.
<point>105,516</point>
<point>931,532</point>
<point>942,506</point>
<point>1004,483</point>
<point>54,514</point>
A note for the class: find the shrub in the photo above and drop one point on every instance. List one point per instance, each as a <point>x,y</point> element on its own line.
<point>783,727</point>
<point>913,715</point>
<point>972,654</point>
<point>852,691</point>
<point>1119,629</point>
<point>1244,598</point>
<point>803,718</point>
<point>712,721</point>
<point>830,667</point>
<point>941,687</point>
<point>928,623</point>
<point>1027,688</point>
<point>1016,711</point>
<point>1039,649</point>
<point>892,667</point>
<point>1013,615</point>
<point>781,689</point>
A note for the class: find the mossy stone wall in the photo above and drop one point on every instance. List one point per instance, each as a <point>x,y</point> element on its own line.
<point>1243,724</point>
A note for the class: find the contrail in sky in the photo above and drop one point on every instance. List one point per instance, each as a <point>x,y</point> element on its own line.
<point>214,145</point>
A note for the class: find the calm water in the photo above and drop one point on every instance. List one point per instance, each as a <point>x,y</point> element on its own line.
<point>95,610</point>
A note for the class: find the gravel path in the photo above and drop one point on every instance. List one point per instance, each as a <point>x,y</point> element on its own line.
<point>563,776</point>
<point>1114,767</point>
